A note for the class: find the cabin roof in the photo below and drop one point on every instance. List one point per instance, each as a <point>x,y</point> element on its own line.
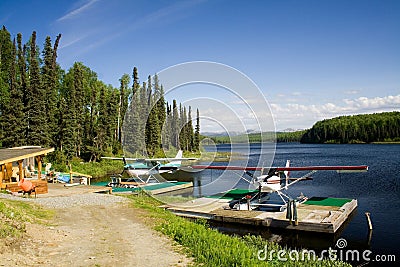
<point>19,153</point>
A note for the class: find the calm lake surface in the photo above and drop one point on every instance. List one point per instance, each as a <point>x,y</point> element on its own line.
<point>377,191</point>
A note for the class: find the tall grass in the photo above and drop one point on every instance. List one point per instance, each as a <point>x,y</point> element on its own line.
<point>97,169</point>
<point>211,248</point>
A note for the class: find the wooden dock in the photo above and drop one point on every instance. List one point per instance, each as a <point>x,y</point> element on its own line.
<point>166,187</point>
<point>156,188</point>
<point>316,216</point>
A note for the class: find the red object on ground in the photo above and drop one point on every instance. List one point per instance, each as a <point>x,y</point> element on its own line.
<point>26,185</point>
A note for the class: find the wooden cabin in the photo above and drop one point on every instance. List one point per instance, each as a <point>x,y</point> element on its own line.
<point>12,169</point>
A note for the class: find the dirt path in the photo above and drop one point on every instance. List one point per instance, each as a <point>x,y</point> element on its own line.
<point>112,235</point>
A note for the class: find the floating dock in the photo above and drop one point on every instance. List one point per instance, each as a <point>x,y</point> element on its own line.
<point>318,214</point>
<point>166,187</point>
<point>152,188</point>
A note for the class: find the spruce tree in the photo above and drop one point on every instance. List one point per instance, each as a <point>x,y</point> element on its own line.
<point>160,107</point>
<point>166,129</point>
<point>13,111</point>
<point>131,126</point>
<point>175,126</point>
<point>190,133</point>
<point>123,103</point>
<point>5,64</point>
<point>50,84</point>
<point>22,73</point>
<point>37,132</point>
<point>197,132</point>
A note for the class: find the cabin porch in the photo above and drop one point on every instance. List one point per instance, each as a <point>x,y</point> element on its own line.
<point>17,163</point>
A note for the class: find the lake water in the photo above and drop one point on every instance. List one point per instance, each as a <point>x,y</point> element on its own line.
<point>377,191</point>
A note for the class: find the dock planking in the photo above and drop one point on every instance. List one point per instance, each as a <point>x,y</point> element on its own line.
<point>311,218</point>
<point>155,188</point>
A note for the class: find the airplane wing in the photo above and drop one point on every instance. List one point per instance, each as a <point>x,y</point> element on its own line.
<point>153,159</point>
<point>169,159</point>
<point>118,158</point>
<point>229,168</point>
<point>305,168</point>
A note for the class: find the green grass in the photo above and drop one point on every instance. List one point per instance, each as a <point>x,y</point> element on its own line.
<point>98,169</point>
<point>211,248</point>
<point>15,214</point>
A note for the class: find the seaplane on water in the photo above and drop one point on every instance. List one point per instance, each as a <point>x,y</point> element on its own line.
<point>142,171</point>
<point>276,180</point>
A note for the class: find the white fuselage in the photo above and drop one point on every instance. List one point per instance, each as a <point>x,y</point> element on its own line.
<point>143,172</point>
<point>269,185</point>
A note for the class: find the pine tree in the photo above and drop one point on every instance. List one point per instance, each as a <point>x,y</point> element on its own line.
<point>13,112</point>
<point>123,103</point>
<point>175,126</point>
<point>50,84</point>
<point>160,108</point>
<point>22,73</point>
<point>37,132</point>
<point>166,130</point>
<point>196,142</point>
<point>111,125</point>
<point>152,134</point>
<point>190,133</point>
<point>136,118</point>
<point>102,121</point>
<point>5,64</point>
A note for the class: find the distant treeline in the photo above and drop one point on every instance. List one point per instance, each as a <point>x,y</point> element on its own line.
<point>368,128</point>
<point>378,127</point>
<point>258,137</point>
<point>73,111</point>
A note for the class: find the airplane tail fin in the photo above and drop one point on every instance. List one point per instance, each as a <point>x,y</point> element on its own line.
<point>179,156</point>
<point>287,173</point>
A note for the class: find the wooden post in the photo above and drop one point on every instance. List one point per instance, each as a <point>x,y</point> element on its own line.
<point>70,173</point>
<point>1,175</point>
<point>367,214</point>
<point>9,171</point>
<point>39,168</point>
<point>21,170</point>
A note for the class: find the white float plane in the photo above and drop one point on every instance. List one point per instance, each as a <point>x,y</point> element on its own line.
<point>278,179</point>
<point>145,169</point>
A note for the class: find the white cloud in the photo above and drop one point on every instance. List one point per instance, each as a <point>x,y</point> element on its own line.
<point>77,11</point>
<point>304,116</point>
<point>352,92</point>
<point>94,24</point>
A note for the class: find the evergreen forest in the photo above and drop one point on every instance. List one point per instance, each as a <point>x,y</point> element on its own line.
<point>78,114</point>
<point>357,129</point>
<point>366,128</point>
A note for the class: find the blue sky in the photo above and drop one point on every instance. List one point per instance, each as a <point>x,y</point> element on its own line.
<point>310,59</point>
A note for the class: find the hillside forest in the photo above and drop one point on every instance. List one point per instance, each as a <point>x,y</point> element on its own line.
<point>72,110</point>
<point>366,128</point>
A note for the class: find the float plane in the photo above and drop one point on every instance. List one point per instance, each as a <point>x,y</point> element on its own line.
<point>276,180</point>
<point>142,171</point>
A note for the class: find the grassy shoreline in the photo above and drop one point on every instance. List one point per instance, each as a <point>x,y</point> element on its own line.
<point>211,248</point>
<point>14,216</point>
<point>207,247</point>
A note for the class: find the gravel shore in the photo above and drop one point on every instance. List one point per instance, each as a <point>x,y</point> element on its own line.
<point>63,202</point>
<point>104,233</point>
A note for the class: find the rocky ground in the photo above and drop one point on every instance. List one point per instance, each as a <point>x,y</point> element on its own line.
<point>92,230</point>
